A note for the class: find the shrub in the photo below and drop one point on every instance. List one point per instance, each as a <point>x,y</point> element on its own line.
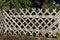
<point>9,4</point>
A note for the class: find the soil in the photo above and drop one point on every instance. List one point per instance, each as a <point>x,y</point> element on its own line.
<point>23,38</point>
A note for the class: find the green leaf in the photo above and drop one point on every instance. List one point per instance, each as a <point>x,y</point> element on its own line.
<point>58,36</point>
<point>6,7</point>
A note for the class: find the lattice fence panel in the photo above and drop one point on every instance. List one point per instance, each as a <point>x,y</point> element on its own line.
<point>32,22</point>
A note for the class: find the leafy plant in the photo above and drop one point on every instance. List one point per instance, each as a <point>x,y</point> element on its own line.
<point>10,4</point>
<point>4,4</point>
<point>58,36</point>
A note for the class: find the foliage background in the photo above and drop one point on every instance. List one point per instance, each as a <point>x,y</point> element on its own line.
<point>10,4</point>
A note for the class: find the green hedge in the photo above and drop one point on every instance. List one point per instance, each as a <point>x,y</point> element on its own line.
<point>10,4</point>
<point>5,4</point>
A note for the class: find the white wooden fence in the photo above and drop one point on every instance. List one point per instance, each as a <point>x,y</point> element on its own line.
<point>33,22</point>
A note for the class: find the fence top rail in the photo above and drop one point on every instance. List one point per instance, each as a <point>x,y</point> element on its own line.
<point>35,13</point>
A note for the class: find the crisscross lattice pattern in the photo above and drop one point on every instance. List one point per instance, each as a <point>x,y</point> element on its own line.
<point>34,22</point>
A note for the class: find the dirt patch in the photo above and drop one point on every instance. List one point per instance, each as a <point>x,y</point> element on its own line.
<point>17,38</point>
<point>24,38</point>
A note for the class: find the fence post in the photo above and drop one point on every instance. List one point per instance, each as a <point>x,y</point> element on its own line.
<point>1,22</point>
<point>0,18</point>
<point>58,18</point>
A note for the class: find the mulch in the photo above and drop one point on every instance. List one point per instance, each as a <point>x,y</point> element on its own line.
<point>16,38</point>
<point>23,38</point>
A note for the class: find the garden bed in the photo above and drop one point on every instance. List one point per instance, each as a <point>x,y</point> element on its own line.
<point>4,37</point>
